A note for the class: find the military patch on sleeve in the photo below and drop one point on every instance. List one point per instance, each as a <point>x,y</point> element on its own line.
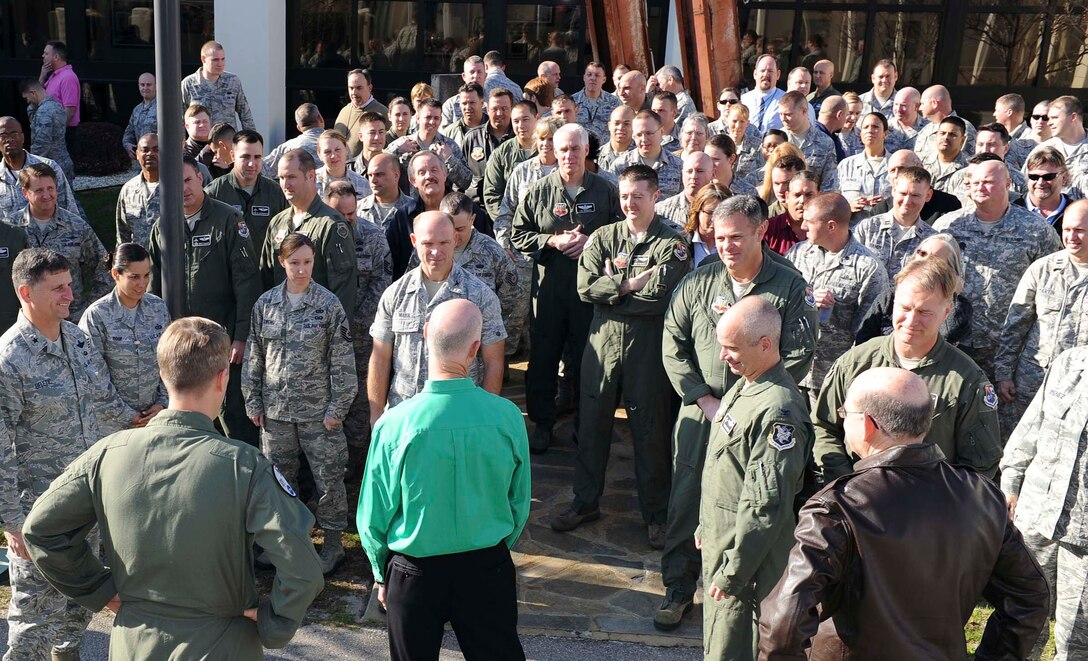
<point>810,299</point>
<point>342,230</point>
<point>782,437</point>
<point>243,231</point>
<point>284,484</point>
<point>681,251</point>
<point>989,397</point>
<point>477,154</point>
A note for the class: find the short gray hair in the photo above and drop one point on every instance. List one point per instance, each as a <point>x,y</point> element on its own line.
<point>763,320</point>
<point>898,417</point>
<point>453,340</point>
<point>573,129</point>
<point>697,118</point>
<point>746,205</point>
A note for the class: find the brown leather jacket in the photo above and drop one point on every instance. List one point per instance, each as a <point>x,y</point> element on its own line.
<point>894,557</point>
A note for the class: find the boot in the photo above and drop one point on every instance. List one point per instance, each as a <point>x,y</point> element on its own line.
<point>65,654</point>
<point>332,552</point>
<point>672,610</point>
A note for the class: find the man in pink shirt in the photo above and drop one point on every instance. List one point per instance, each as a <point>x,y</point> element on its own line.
<point>60,80</point>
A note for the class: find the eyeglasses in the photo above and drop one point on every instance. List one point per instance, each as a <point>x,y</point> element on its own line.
<point>727,102</point>
<point>1041,118</point>
<point>1049,176</point>
<point>843,413</point>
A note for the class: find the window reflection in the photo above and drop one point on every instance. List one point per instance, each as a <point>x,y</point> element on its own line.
<point>455,32</point>
<point>1067,57</point>
<point>537,33</point>
<point>909,40</point>
<point>835,36</point>
<point>1001,49</point>
<point>37,23</point>
<point>768,31</point>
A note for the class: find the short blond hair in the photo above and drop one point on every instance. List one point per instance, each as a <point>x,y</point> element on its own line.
<point>191,353</point>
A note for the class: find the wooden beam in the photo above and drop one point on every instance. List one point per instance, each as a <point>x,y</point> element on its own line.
<point>710,47</point>
<point>628,41</point>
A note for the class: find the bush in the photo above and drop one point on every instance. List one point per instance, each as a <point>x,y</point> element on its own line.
<point>96,149</point>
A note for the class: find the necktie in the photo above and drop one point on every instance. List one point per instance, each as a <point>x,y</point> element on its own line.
<point>762,110</point>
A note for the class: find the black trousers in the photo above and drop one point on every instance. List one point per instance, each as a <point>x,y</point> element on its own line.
<point>475,591</point>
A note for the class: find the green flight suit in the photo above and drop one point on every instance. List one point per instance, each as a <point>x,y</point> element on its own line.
<point>558,317</point>
<point>257,209</point>
<point>13,240</point>
<point>499,166</point>
<point>623,359</point>
<point>759,447</point>
<point>965,422</point>
<point>334,243</point>
<point>692,359</point>
<point>179,508</point>
<point>221,284</point>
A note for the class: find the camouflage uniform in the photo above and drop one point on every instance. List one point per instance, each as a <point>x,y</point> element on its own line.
<point>674,210</point>
<point>48,122</point>
<point>144,120</point>
<point>458,173</point>
<point>994,259</point>
<point>127,339</point>
<point>859,178</point>
<point>334,263</point>
<point>258,208</point>
<point>451,107</point>
<point>300,370</point>
<point>606,156</point>
<point>222,98</point>
<point>902,137</point>
<point>306,141</point>
<point>1048,314</point>
<point>942,173</point>
<point>404,309</point>
<point>1044,466</point>
<point>499,167</point>
<point>749,158</point>
<point>669,169</point>
<point>11,193</point>
<point>12,241</point>
<point>484,258</point>
<point>374,266</point>
<point>692,359</point>
<point>965,423</point>
<point>1018,183</point>
<point>138,209</point>
<point>870,103</point>
<point>593,114</point>
<point>72,237</point>
<point>53,398</point>
<point>357,181</point>
<point>368,209</point>
<point>851,142</point>
<point>925,143</point>
<point>890,241</point>
<point>820,156</point>
<point>857,279</point>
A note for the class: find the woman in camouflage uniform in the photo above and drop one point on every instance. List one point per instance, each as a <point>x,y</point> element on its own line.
<point>299,381</point>
<point>332,146</point>
<point>125,326</point>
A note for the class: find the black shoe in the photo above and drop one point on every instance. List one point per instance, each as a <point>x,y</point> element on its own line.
<point>655,532</point>
<point>571,519</point>
<point>564,400</point>
<point>540,440</point>
<point>671,611</point>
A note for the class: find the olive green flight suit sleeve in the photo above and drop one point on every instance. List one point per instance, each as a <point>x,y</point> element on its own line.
<point>340,264</point>
<point>829,446</point>
<point>979,444</point>
<point>678,344</point>
<point>494,187</point>
<point>765,509</point>
<point>281,524</point>
<point>243,276</point>
<point>56,537</point>
<point>800,330</point>
<point>594,284</point>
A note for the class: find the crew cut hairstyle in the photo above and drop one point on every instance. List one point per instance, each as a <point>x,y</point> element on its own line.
<point>931,274</point>
<point>191,353</point>
<point>640,172</point>
<point>33,264</point>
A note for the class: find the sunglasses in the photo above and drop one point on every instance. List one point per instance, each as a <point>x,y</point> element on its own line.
<point>1049,176</point>
<point>726,102</point>
<point>1040,118</point>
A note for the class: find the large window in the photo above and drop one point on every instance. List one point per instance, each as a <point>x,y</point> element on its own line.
<point>536,33</point>
<point>455,32</point>
<point>1001,49</point>
<point>838,36</point>
<point>115,27</point>
<point>909,40</point>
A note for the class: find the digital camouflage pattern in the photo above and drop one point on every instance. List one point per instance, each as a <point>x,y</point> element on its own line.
<point>889,241</point>
<point>223,98</point>
<point>48,122</point>
<point>669,169</point>
<point>138,209</point>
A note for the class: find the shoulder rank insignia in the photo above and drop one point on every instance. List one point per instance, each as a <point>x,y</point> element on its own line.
<point>782,436</point>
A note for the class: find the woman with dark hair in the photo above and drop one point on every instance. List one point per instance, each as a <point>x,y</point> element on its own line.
<point>700,225</point>
<point>299,382</point>
<point>863,178</point>
<point>125,326</point>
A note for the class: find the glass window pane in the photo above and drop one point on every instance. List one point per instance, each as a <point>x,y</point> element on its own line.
<point>774,35</point>
<point>999,4</point>
<point>1067,59</point>
<point>834,35</point>
<point>454,32</point>
<point>1001,49</point>
<point>909,40</point>
<point>387,33</point>
<point>37,23</point>
<point>321,34</point>
<point>128,24</point>
<point>536,33</point>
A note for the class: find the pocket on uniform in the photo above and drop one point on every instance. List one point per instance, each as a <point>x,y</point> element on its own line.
<point>406,323</point>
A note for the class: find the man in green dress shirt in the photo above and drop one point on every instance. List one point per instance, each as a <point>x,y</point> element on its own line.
<point>445,496</point>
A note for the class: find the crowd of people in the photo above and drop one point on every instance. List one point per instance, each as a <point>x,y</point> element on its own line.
<point>840,325</point>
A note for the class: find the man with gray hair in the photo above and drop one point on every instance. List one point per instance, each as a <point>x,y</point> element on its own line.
<point>310,125</point>
<point>857,564</point>
<point>759,446</point>
<point>692,359</point>
<point>670,79</point>
<point>450,450</point>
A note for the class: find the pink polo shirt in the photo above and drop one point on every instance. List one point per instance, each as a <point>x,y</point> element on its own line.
<point>63,85</point>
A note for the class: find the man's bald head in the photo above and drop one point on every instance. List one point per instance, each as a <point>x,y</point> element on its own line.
<point>453,334</point>
<point>622,112</point>
<point>749,320</point>
<point>429,221</point>
<point>908,95</point>
<point>904,158</point>
<point>832,105</point>
<point>383,159</point>
<point>898,403</point>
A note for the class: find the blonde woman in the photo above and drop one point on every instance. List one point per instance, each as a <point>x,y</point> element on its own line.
<point>333,148</point>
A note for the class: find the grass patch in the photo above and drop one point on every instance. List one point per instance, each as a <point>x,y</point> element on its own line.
<point>976,626</point>
<point>100,206</point>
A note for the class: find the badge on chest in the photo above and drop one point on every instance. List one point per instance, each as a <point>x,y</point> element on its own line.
<point>202,241</point>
